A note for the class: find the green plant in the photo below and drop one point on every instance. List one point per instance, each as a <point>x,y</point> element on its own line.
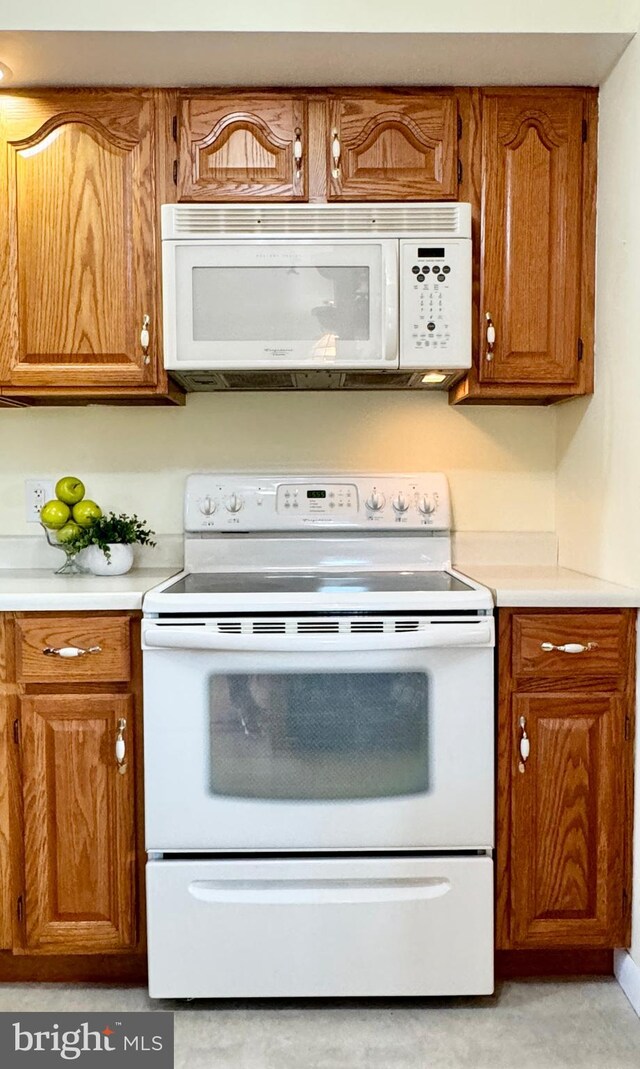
<point>123,529</point>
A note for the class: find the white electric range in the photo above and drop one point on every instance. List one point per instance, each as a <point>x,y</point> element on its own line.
<point>319,736</point>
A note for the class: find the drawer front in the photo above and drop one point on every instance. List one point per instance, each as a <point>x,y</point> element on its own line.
<point>569,644</point>
<point>318,928</point>
<point>108,639</point>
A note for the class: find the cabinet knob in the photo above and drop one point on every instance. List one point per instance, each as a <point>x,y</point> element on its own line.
<point>298,152</point>
<point>336,153</point>
<point>121,751</point>
<point>491,335</point>
<point>144,338</point>
<point>525,745</point>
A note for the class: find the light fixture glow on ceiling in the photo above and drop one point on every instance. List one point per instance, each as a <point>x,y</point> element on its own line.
<point>433,377</point>
<point>5,72</point>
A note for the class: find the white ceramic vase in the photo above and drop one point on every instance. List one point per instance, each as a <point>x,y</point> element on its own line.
<point>119,562</point>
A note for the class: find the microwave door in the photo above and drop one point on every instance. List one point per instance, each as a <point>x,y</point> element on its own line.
<point>281,305</point>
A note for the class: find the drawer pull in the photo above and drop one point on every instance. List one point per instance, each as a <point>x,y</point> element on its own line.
<point>525,745</point>
<point>121,749</point>
<point>569,647</point>
<point>70,651</point>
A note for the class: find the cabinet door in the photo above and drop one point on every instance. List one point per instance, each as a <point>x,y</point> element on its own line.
<point>79,831</point>
<point>567,840</point>
<point>392,146</point>
<point>243,147</point>
<point>532,212</point>
<point>77,239</point>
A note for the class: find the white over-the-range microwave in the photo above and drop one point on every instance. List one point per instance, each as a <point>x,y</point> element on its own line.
<point>316,295</point>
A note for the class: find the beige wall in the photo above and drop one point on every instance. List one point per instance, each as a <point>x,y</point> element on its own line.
<point>501,461</point>
<point>598,479</point>
<point>599,439</point>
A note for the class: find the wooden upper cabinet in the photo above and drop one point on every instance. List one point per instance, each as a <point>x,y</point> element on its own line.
<point>242,147</point>
<point>392,145</point>
<point>78,240</point>
<point>79,824</point>
<point>532,236</point>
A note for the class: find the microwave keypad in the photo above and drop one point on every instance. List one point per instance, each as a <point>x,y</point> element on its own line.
<point>431,329</point>
<point>435,303</point>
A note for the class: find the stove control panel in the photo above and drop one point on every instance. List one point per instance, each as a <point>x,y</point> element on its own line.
<point>247,502</point>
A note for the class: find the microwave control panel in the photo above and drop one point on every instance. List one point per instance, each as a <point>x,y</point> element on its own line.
<point>244,502</point>
<point>435,293</point>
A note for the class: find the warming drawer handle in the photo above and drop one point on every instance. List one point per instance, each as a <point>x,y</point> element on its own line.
<point>318,892</point>
<point>569,647</point>
<point>70,651</point>
<point>434,637</point>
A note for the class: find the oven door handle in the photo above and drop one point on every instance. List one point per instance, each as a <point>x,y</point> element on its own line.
<point>435,636</point>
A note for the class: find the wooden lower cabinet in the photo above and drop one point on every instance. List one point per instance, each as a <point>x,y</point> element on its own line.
<point>71,850</point>
<point>565,810</point>
<point>79,823</point>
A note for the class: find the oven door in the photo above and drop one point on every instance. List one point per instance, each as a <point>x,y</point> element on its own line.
<point>319,742</point>
<point>280,305</point>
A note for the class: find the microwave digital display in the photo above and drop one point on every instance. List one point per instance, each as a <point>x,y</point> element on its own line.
<point>430,254</point>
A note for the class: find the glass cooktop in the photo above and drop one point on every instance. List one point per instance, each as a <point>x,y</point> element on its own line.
<point>315,582</point>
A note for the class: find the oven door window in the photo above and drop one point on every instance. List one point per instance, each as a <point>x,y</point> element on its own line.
<point>313,737</point>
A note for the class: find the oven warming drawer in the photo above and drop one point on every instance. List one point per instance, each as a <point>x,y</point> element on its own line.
<point>320,927</point>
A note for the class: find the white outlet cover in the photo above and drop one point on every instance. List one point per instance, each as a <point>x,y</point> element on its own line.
<point>36,493</point>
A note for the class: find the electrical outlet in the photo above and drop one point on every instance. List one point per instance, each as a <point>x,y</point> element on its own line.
<point>36,493</point>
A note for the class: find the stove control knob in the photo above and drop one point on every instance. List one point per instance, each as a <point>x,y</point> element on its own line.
<point>234,503</point>
<point>400,503</point>
<point>375,501</point>
<point>207,506</point>
<point>427,505</point>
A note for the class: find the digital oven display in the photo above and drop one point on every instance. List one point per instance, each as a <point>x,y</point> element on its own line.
<point>316,493</point>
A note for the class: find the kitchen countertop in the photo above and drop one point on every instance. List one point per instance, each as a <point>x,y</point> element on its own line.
<point>39,589</point>
<point>550,587</point>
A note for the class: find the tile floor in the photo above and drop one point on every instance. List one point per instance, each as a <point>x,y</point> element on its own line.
<point>586,1024</point>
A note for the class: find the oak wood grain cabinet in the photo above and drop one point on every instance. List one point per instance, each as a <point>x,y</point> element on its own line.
<point>350,145</point>
<point>81,175</point>
<point>242,146</point>
<point>392,145</point>
<point>535,156</point>
<point>565,770</point>
<point>71,851</point>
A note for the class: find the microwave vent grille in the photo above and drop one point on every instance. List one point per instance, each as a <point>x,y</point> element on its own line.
<point>202,221</point>
<point>210,381</point>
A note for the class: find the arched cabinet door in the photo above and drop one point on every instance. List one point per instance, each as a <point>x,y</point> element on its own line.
<point>532,237</point>
<point>242,147</point>
<point>392,146</point>
<point>77,241</point>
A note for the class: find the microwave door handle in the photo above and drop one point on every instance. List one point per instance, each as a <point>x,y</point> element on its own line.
<point>391,304</point>
<point>435,636</point>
